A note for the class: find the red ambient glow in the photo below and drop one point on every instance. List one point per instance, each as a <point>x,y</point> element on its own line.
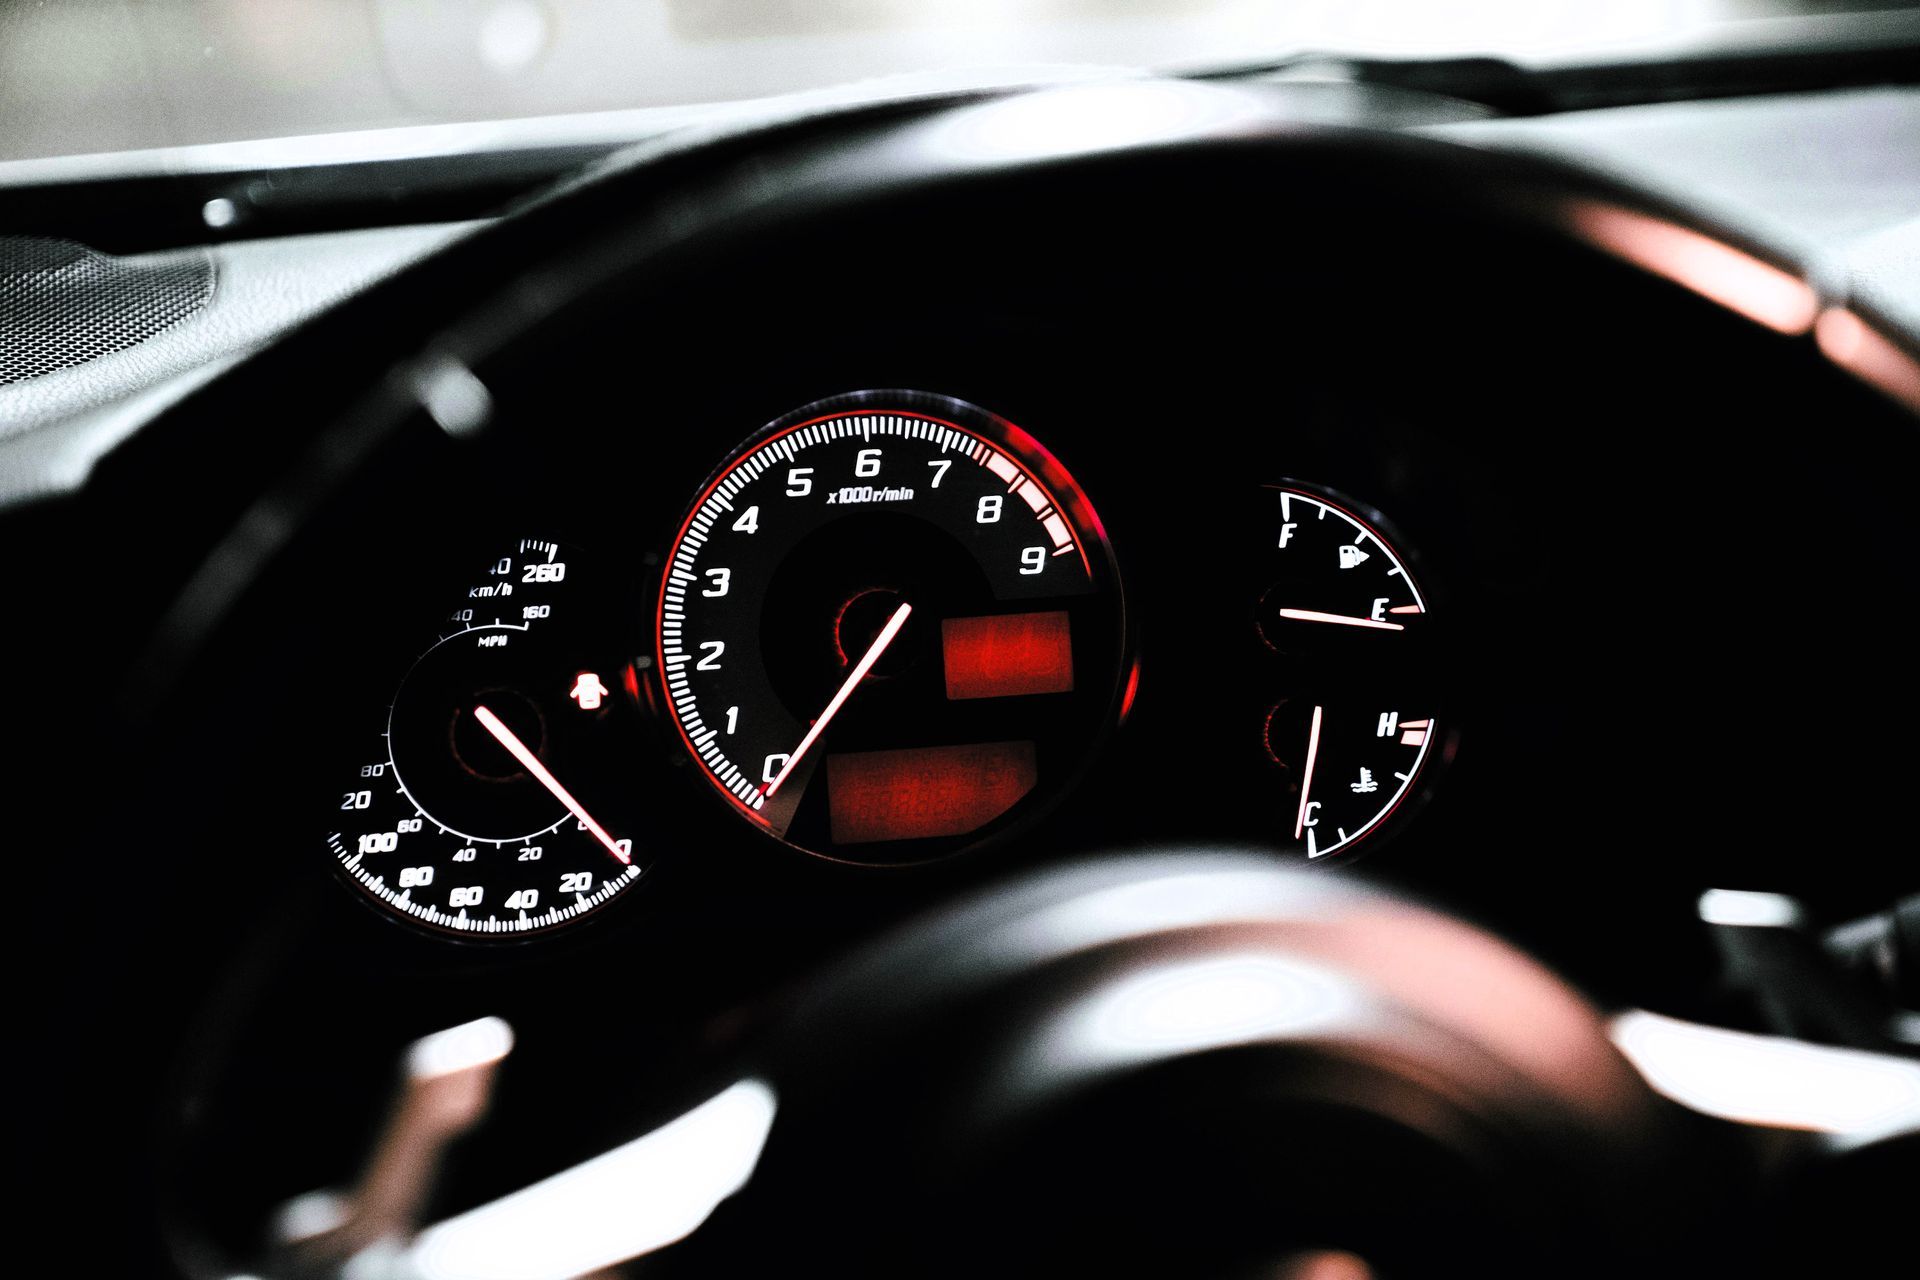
<point>926,792</point>
<point>1008,656</point>
<point>1735,279</point>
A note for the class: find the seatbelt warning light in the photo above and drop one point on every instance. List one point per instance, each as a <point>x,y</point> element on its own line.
<point>588,691</point>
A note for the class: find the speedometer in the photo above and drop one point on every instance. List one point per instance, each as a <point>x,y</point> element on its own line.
<point>502,799</point>
<point>890,627</point>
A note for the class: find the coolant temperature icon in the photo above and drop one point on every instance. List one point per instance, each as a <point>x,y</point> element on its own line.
<point>588,691</point>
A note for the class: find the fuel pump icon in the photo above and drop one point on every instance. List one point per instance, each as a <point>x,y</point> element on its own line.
<point>588,691</point>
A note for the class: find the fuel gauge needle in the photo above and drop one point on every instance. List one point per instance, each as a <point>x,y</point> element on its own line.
<point>854,677</point>
<point>1311,615</point>
<point>1306,777</point>
<point>531,763</point>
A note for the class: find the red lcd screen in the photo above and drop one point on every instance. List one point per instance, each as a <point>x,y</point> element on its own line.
<point>1008,655</point>
<point>927,791</point>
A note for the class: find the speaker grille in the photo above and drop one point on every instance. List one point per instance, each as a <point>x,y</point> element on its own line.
<point>62,304</point>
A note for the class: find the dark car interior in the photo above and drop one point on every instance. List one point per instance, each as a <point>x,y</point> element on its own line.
<point>1287,670</point>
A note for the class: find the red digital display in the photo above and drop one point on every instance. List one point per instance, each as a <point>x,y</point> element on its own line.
<point>1008,655</point>
<point>927,791</point>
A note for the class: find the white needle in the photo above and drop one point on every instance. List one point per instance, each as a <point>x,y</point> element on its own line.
<point>1308,615</point>
<point>529,761</point>
<point>1306,780</point>
<point>854,677</point>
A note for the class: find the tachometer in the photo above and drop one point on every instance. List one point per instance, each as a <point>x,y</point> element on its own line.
<point>890,627</point>
<point>503,802</point>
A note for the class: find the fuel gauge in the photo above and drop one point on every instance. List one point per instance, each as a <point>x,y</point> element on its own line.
<point>1338,586</point>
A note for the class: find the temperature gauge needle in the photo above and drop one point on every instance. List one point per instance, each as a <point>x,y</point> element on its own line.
<point>1306,777</point>
<point>854,677</point>
<point>531,763</point>
<point>1309,615</point>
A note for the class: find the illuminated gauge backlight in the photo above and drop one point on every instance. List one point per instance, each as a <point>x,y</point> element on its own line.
<point>1338,586</point>
<point>1345,620</point>
<point>501,802</point>
<point>1351,766</point>
<point>890,627</point>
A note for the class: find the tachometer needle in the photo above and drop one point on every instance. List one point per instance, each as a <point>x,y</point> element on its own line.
<point>531,763</point>
<point>854,677</point>
<point>1306,777</point>
<point>1308,615</point>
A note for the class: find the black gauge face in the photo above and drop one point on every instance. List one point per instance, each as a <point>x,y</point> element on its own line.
<point>503,801</point>
<point>1356,725</point>
<point>1349,766</point>
<point>1338,586</point>
<point>890,627</point>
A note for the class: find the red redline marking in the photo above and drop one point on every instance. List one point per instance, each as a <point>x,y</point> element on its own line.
<point>1309,615</point>
<point>1306,780</point>
<point>508,739</point>
<point>1406,608</point>
<point>854,677</point>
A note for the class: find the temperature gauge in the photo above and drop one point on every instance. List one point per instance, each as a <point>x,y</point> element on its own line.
<point>1350,767</point>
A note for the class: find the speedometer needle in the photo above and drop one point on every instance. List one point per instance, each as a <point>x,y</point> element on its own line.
<point>1309,615</point>
<point>1306,778</point>
<point>854,677</point>
<point>531,763</point>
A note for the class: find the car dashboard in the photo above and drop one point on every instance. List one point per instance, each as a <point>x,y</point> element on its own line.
<point>611,619</point>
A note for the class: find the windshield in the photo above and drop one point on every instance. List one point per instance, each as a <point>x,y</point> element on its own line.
<point>88,76</point>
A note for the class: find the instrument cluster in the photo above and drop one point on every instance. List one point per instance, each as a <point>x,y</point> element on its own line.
<point>891,628</point>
